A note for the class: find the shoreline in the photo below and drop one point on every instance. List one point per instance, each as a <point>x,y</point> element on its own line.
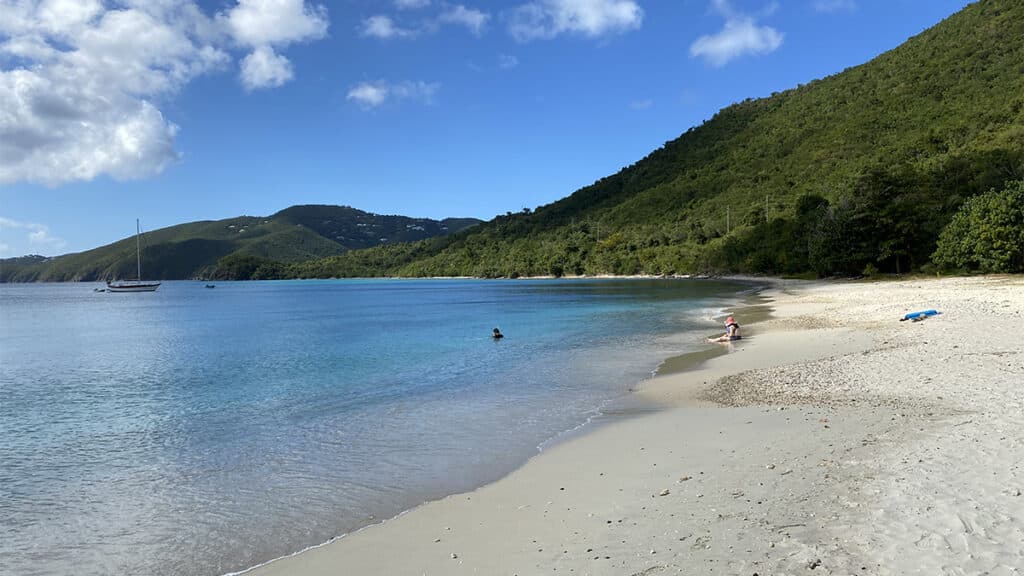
<point>698,276</point>
<point>754,309</point>
<point>629,405</point>
<point>777,468</point>
<point>646,394</point>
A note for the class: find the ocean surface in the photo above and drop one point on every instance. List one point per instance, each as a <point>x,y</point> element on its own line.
<point>205,431</point>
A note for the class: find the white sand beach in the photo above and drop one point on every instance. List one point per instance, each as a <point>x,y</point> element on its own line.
<point>834,439</point>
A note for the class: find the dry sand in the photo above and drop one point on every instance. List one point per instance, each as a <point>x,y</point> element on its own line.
<point>833,440</point>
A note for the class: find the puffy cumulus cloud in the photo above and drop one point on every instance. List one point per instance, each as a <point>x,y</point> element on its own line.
<point>740,36</point>
<point>62,16</point>
<point>275,22</point>
<point>265,69</point>
<point>737,38</point>
<point>384,27</point>
<point>375,94</point>
<point>471,18</point>
<point>78,85</point>
<point>38,235</point>
<point>266,24</point>
<point>52,133</point>
<point>81,82</point>
<point>544,19</point>
<point>369,95</point>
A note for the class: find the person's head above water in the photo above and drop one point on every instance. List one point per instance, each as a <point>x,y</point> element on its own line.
<point>498,334</point>
<point>730,320</point>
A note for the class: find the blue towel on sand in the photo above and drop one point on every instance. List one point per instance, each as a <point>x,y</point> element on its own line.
<point>921,315</point>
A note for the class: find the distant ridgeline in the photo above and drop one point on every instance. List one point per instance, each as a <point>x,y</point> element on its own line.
<point>912,161</point>
<point>854,173</point>
<point>237,248</point>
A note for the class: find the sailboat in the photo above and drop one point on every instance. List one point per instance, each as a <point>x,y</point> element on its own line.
<point>134,285</point>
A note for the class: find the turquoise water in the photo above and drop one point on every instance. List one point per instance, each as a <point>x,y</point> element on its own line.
<point>199,431</point>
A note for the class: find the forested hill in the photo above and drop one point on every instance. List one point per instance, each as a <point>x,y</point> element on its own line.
<point>853,173</point>
<point>858,171</point>
<point>235,247</point>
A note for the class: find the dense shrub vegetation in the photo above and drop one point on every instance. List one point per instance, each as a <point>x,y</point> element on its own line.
<point>987,233</point>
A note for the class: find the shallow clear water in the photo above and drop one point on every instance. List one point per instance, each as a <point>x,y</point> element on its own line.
<point>199,431</point>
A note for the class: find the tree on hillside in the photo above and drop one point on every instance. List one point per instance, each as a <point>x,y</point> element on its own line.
<point>987,234</point>
<point>238,266</point>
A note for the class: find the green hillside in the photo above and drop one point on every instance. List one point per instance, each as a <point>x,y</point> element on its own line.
<point>355,229</point>
<point>200,249</point>
<point>857,172</point>
<point>860,170</point>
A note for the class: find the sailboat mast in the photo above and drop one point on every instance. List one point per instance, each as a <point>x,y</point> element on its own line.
<point>136,285</point>
<point>138,251</point>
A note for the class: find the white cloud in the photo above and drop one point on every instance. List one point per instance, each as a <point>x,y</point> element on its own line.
<point>265,69</point>
<point>275,22</point>
<point>543,19</point>
<point>384,27</point>
<point>411,4</point>
<point>418,90</point>
<point>81,84</point>
<point>471,18</point>
<point>37,234</point>
<point>740,36</point>
<point>374,94</point>
<point>369,95</point>
<point>266,24</point>
<point>58,16</point>
<point>80,100</point>
<point>506,61</point>
<point>641,104</point>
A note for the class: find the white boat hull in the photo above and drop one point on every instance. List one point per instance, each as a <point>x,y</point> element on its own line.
<point>133,287</point>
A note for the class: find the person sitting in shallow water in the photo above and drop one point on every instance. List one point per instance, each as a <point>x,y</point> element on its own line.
<point>732,332</point>
<point>498,334</point>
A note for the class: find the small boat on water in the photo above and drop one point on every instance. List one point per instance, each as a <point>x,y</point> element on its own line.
<point>211,285</point>
<point>136,285</point>
<point>133,286</point>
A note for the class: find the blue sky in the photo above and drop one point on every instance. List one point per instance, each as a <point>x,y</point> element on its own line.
<point>175,110</point>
